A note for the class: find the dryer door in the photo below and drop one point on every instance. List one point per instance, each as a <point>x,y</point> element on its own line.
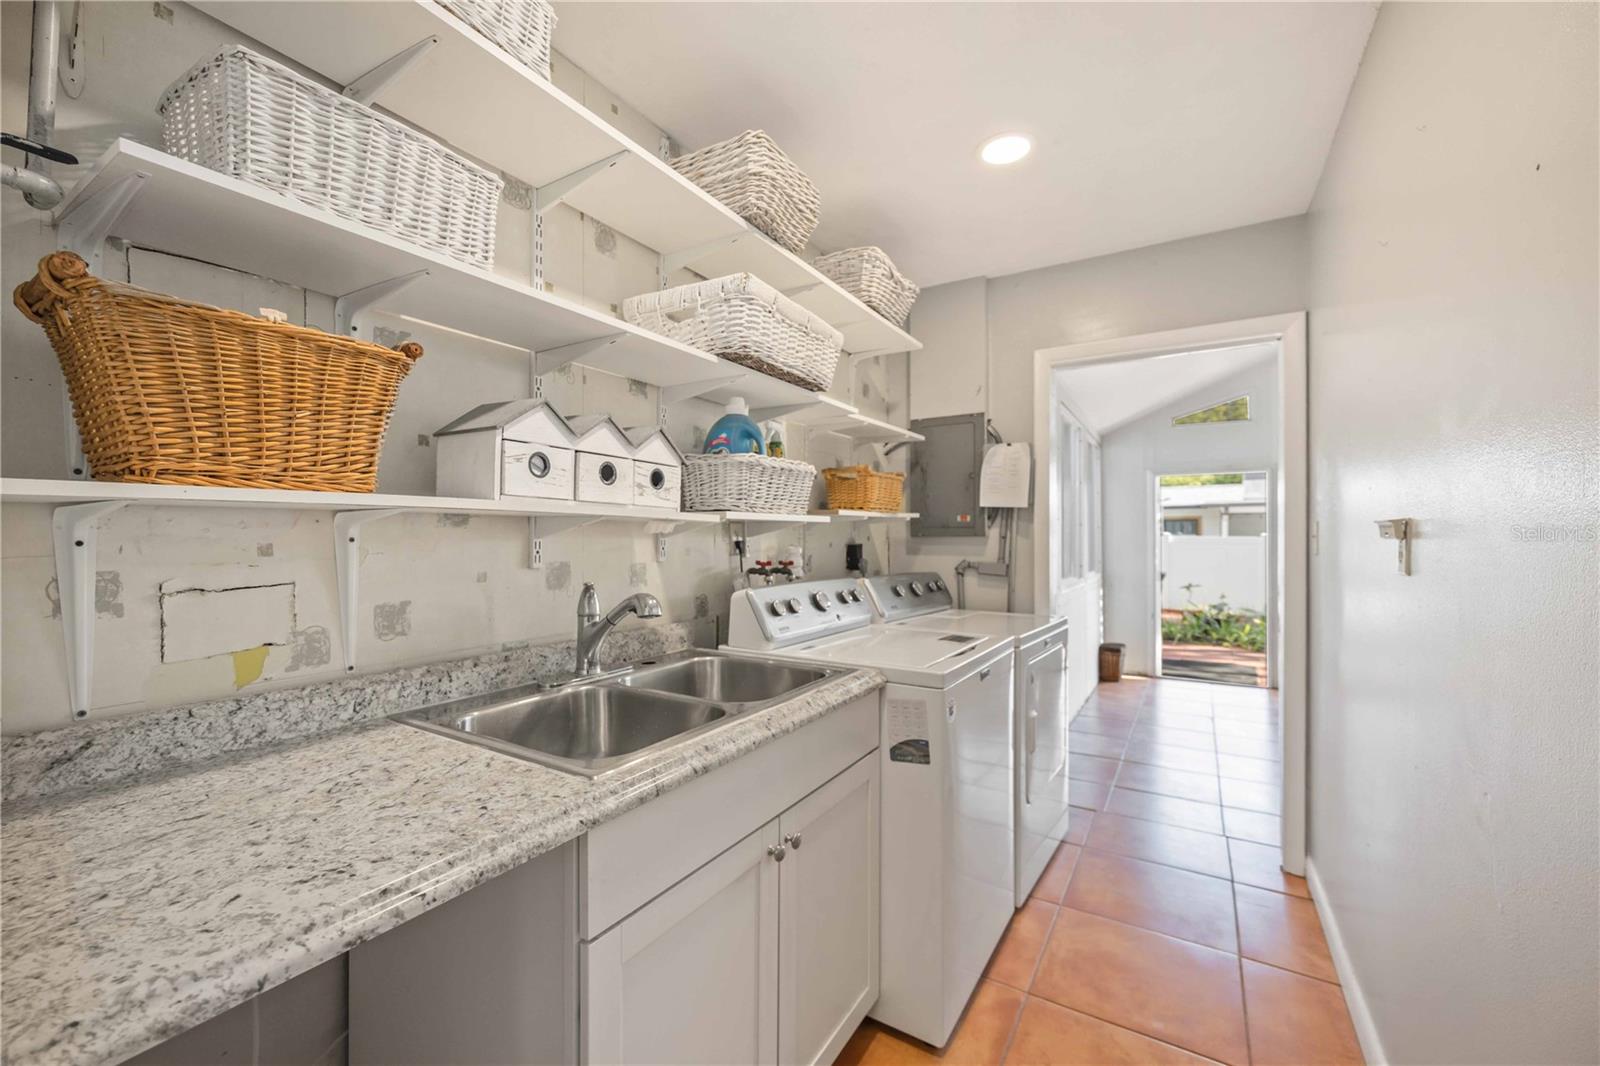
<point>1041,763</point>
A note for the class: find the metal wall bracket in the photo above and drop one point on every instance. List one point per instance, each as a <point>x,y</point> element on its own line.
<point>1401,530</point>
<point>556,358</point>
<point>76,532</point>
<point>548,195</point>
<point>553,525</point>
<point>689,256</point>
<point>690,389</point>
<point>73,72</point>
<point>347,309</point>
<point>347,562</point>
<point>83,226</point>
<point>365,88</point>
<point>767,414</point>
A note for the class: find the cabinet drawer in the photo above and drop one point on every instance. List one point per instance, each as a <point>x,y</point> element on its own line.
<point>630,860</point>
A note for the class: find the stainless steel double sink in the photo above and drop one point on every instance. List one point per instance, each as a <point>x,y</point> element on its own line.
<point>592,726</point>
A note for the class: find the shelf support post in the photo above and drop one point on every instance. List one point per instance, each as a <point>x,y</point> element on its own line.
<point>75,529</point>
<point>347,562</point>
<point>556,358</point>
<point>347,309</point>
<point>551,193</point>
<point>366,88</point>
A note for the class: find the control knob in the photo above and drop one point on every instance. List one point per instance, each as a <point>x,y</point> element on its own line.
<point>792,605</point>
<point>820,600</point>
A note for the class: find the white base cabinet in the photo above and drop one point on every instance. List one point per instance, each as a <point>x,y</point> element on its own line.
<point>767,954</point>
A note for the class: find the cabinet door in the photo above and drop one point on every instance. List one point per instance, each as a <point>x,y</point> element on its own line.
<point>828,918</point>
<point>692,976</point>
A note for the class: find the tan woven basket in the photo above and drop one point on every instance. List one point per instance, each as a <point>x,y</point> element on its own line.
<point>861,488</point>
<point>170,392</point>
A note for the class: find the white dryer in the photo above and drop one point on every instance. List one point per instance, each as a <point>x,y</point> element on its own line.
<point>1039,736</point>
<point>948,880</point>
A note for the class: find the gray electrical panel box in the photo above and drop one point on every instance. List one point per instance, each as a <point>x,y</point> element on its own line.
<point>943,484</point>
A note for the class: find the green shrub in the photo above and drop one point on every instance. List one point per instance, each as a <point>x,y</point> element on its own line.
<point>1217,624</point>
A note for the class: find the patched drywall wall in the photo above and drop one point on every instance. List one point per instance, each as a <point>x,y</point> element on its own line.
<point>432,586</point>
<point>1453,380</point>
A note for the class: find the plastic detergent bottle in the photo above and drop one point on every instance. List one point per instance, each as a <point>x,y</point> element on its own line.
<point>734,432</point>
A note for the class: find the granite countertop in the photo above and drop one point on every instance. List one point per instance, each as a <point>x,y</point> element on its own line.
<point>137,910</point>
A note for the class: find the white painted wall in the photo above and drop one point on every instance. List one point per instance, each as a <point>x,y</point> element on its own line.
<point>1151,446</point>
<point>1453,380</point>
<point>1220,568</point>
<point>458,585</point>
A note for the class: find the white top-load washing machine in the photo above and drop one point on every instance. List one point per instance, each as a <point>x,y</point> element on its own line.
<point>1039,759</point>
<point>947,841</point>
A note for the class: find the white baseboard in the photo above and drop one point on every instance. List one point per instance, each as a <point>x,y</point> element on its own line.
<point>1360,1016</point>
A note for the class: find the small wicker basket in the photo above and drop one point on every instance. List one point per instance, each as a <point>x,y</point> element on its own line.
<point>861,488</point>
<point>752,176</point>
<point>869,275</point>
<point>170,392</point>
<point>521,27</point>
<point>726,482</point>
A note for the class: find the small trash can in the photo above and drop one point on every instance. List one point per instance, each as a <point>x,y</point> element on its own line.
<point>1111,662</point>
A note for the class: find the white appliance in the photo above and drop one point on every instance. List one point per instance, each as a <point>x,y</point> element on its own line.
<point>1039,737</point>
<point>948,877</point>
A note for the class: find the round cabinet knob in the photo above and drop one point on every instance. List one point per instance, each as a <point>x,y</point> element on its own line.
<point>777,851</point>
<point>916,588</point>
<point>793,605</point>
<point>775,608</point>
<point>793,840</point>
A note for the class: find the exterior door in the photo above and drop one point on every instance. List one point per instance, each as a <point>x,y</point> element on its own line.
<point>828,915</point>
<point>692,977</point>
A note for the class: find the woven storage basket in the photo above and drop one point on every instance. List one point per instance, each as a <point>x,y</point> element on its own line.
<point>861,488</point>
<point>752,176</point>
<point>177,393</point>
<point>743,319</point>
<point>869,275</point>
<point>254,119</point>
<point>725,482</point>
<point>521,27</point>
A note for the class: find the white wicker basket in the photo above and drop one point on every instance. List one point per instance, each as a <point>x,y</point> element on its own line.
<point>747,483</point>
<point>870,276</point>
<point>743,319</point>
<point>521,27</point>
<point>255,119</point>
<point>753,177</point>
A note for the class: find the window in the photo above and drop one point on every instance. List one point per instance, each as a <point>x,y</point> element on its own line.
<point>1234,410</point>
<point>1188,526</point>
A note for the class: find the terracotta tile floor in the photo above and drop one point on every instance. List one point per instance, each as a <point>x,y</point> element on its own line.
<point>1164,932</point>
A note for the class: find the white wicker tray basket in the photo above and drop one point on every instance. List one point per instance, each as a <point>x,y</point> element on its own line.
<point>743,319</point>
<point>752,176</point>
<point>868,274</point>
<point>255,119</point>
<point>747,483</point>
<point>521,27</point>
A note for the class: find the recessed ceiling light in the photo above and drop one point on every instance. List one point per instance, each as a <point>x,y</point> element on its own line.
<point>1005,149</point>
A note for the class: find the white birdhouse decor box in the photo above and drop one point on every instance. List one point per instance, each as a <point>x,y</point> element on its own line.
<point>516,448</point>
<point>605,460</point>
<point>657,468</point>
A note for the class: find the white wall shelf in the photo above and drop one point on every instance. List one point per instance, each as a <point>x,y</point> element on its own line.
<point>468,92</point>
<point>863,429</point>
<point>176,206</point>
<point>847,515</point>
<point>756,523</point>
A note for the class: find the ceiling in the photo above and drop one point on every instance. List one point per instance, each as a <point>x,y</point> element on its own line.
<point>1150,122</point>
<point>1108,395</point>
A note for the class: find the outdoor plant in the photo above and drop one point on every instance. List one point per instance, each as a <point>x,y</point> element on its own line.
<point>1217,624</point>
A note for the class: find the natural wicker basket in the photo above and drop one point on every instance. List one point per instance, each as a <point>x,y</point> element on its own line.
<point>752,176</point>
<point>170,392</point>
<point>726,482</point>
<point>743,319</point>
<point>521,27</point>
<point>869,275</point>
<point>861,488</point>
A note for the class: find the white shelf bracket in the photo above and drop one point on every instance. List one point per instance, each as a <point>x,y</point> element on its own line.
<point>542,526</point>
<point>689,256</point>
<point>556,358</point>
<point>347,309</point>
<point>857,358</point>
<point>76,533</point>
<point>347,561</point>
<point>366,88</point>
<point>801,290</point>
<point>767,414</point>
<point>690,389</point>
<point>548,195</point>
<point>84,226</point>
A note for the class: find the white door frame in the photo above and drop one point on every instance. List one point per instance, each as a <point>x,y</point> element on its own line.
<point>1292,490</point>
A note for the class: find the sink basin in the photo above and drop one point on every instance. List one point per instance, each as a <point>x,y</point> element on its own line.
<point>594,727</point>
<point>723,679</point>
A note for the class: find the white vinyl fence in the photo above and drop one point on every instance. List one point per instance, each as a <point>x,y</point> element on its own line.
<point>1218,567</point>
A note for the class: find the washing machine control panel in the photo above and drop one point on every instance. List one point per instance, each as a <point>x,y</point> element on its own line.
<point>899,596</point>
<point>781,615</point>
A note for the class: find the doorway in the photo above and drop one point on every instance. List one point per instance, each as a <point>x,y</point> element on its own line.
<point>1212,592</point>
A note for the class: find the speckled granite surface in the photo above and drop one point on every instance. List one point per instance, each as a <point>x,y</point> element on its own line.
<point>137,910</point>
<point>98,753</point>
